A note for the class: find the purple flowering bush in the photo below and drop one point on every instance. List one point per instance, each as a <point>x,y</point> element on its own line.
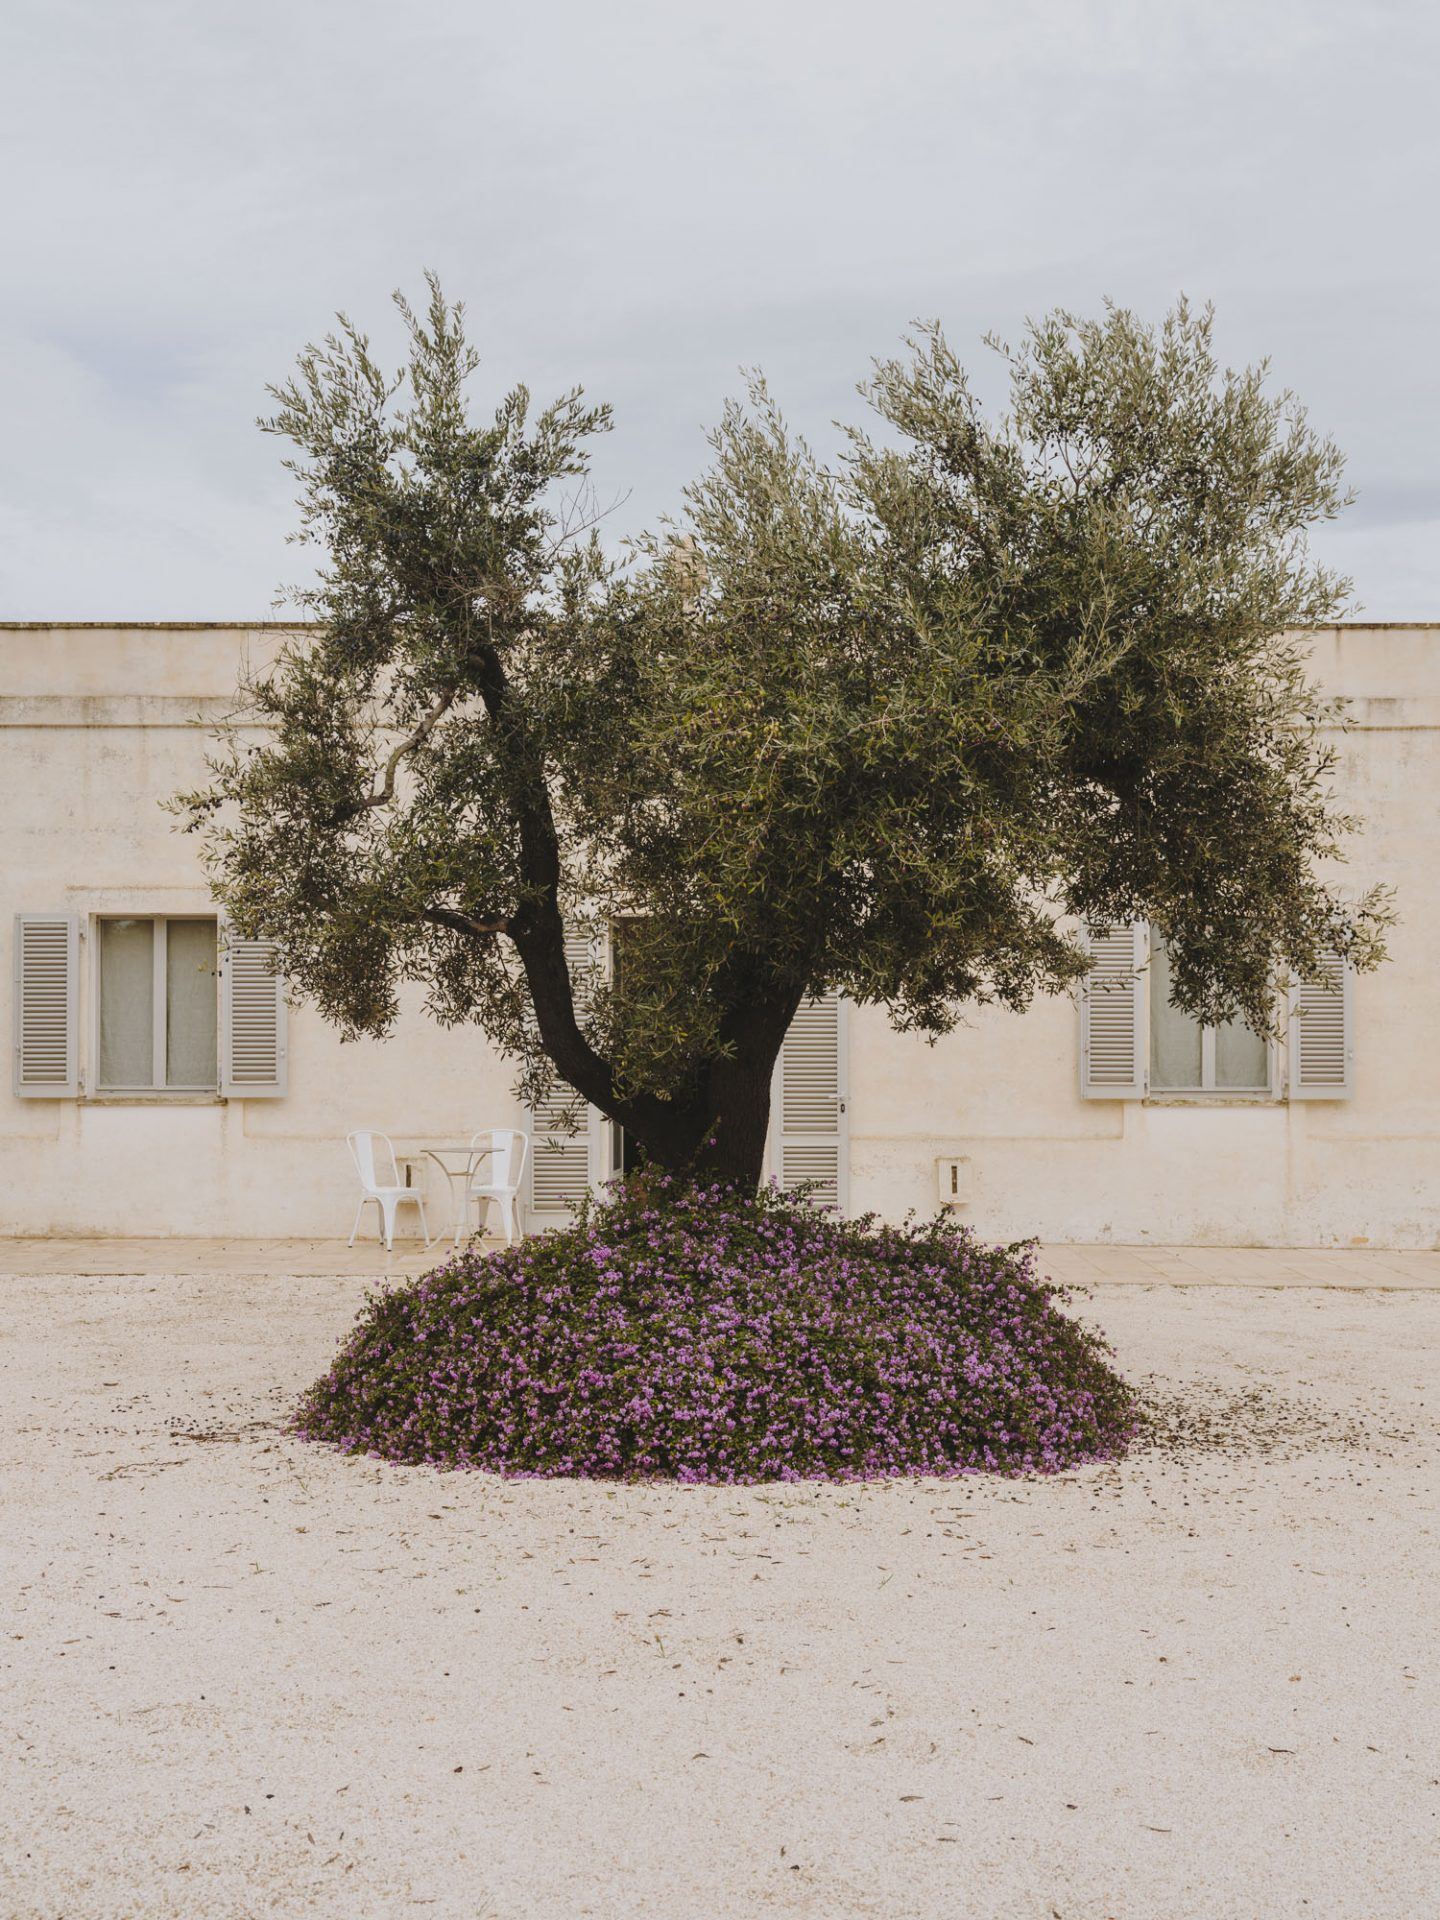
<point>702,1335</point>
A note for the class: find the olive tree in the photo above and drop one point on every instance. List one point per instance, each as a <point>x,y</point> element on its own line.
<point>896,725</point>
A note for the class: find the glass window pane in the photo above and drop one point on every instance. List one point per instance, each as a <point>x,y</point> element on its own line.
<point>1242,1057</point>
<point>1174,1035</point>
<point>190,1003</point>
<point>127,1003</point>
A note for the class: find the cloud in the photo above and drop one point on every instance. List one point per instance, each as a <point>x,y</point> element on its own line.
<point>644,197</point>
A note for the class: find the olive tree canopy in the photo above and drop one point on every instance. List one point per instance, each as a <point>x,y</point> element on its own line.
<point>895,726</point>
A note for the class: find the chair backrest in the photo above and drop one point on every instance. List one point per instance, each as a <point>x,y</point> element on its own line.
<point>505,1166</point>
<point>374,1159</point>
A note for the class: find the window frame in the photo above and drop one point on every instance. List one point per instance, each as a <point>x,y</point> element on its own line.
<point>159,1030</point>
<point>1207,1093</point>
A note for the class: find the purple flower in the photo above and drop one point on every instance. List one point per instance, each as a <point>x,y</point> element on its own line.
<point>712,1336</point>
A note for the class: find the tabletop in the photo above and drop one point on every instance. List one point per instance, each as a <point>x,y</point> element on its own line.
<point>414,1148</point>
<point>411,1152</point>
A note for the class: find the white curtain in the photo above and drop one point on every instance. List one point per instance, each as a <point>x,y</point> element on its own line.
<point>1174,1035</point>
<point>127,1003</point>
<point>1241,1056</point>
<point>190,999</point>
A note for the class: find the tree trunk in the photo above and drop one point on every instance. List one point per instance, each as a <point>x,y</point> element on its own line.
<point>721,1136</point>
<point>722,1139</point>
<point>733,1150</point>
<point>718,1132</point>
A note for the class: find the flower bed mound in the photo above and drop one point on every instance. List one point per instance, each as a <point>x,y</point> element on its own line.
<point>697,1335</point>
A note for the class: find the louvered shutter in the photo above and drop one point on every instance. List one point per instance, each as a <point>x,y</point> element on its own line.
<point>253,1040</point>
<point>565,1132</point>
<point>1112,1015</point>
<point>46,1011</point>
<point>808,1121</point>
<point>1321,1025</point>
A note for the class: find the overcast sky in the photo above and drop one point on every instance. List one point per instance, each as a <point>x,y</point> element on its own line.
<point>646,197</point>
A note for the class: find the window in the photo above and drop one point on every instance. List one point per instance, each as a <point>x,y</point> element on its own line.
<point>1134,1042</point>
<point>174,1008</point>
<point>157,1006</point>
<point>1186,1057</point>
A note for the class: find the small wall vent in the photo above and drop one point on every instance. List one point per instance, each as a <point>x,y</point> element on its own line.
<point>952,1182</point>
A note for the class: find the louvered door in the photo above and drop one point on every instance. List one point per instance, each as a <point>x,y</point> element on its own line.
<point>809,1126</point>
<point>1320,1039</point>
<point>254,1054</point>
<point>1112,1015</point>
<point>46,1006</point>
<point>565,1132</point>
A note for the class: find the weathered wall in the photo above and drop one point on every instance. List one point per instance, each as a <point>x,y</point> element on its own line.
<point>96,727</point>
<point>98,724</point>
<point>1004,1092</point>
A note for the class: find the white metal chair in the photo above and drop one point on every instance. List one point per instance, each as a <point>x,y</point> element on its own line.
<point>494,1173</point>
<point>380,1181</point>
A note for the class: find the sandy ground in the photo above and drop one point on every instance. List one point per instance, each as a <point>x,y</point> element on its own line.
<point>243,1676</point>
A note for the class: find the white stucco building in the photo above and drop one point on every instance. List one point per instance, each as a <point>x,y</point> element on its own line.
<point>158,1092</point>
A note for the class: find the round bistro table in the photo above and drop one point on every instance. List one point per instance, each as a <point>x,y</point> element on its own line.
<point>454,1159</point>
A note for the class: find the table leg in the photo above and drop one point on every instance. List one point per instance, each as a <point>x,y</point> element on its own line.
<point>455,1199</point>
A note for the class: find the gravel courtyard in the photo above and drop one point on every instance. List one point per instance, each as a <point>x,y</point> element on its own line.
<point>244,1677</point>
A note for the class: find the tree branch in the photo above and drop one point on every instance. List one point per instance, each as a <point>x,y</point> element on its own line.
<point>538,928</point>
<point>385,792</point>
<point>465,923</point>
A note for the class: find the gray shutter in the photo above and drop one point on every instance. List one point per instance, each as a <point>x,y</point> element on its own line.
<point>809,1122</point>
<point>47,1006</point>
<point>1321,1027</point>
<point>254,1063</point>
<point>565,1132</point>
<point>1112,1015</point>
